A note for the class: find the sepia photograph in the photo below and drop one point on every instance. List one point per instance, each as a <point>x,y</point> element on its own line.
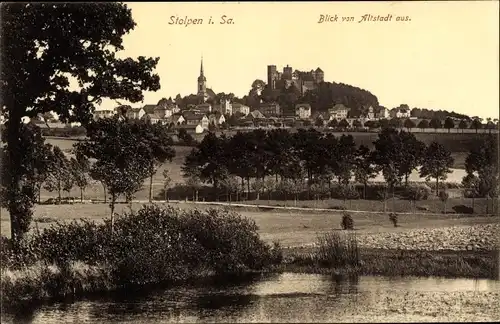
<point>237,162</point>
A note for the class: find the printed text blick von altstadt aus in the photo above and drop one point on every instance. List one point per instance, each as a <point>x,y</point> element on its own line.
<point>361,19</point>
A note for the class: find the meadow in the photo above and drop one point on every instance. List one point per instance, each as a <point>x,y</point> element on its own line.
<point>292,228</point>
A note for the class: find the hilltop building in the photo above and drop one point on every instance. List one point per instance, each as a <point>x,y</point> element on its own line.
<point>302,80</point>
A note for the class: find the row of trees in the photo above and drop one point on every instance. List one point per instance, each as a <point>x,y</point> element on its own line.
<point>312,158</point>
<point>119,153</point>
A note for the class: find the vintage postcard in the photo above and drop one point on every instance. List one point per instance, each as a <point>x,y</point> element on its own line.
<point>260,162</point>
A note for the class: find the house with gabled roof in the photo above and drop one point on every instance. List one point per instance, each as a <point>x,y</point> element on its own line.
<point>135,113</point>
<point>196,119</point>
<point>216,118</point>
<point>176,119</point>
<point>338,111</point>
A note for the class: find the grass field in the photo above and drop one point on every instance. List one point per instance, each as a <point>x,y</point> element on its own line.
<point>291,228</point>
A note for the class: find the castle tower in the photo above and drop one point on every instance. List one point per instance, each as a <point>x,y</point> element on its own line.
<point>202,84</point>
<point>272,76</point>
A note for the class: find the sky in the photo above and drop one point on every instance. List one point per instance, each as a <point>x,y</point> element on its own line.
<point>446,56</point>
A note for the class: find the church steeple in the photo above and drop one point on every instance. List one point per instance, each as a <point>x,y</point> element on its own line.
<point>202,76</point>
<point>202,83</point>
<point>201,67</point>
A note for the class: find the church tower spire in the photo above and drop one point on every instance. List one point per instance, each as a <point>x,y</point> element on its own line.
<point>201,67</point>
<point>202,84</point>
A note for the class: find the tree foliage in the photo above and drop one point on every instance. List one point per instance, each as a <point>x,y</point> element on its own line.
<point>44,47</point>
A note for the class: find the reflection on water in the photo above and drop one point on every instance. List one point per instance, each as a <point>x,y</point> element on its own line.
<point>286,298</point>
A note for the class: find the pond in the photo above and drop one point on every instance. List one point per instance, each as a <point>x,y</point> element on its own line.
<point>286,297</point>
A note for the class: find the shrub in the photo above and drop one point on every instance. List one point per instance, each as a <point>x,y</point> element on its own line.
<point>417,192</point>
<point>345,192</point>
<point>336,250</point>
<point>347,222</point>
<point>462,209</point>
<point>393,217</point>
<point>157,244</point>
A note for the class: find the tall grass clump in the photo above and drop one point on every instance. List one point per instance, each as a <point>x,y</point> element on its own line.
<point>150,246</point>
<point>337,250</point>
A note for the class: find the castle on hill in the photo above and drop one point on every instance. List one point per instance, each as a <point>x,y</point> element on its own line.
<point>302,80</point>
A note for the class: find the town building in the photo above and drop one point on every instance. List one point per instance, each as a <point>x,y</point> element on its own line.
<point>400,113</point>
<point>383,113</point>
<point>303,111</point>
<point>196,119</point>
<point>270,109</point>
<point>104,113</point>
<point>240,108</point>
<point>225,107</point>
<point>216,118</point>
<point>338,111</point>
<point>204,108</point>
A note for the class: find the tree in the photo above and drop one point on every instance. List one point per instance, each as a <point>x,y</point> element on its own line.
<point>436,163</point>
<point>42,46</point>
<point>383,123</point>
<point>185,137</point>
<point>231,185</point>
<point>481,165</point>
<point>333,123</point>
<point>167,182</point>
<point>423,124</point>
<point>194,182</point>
<point>357,123</point>
<point>409,124</point>
<point>60,176</point>
<point>449,124</point>
<point>319,122</point>
<point>364,170</point>
<point>476,124</point>
<point>411,154</point>
<point>156,143</point>
<point>463,125</point>
<point>209,161</point>
<point>80,168</point>
<point>34,166</point>
<point>121,155</point>
<point>395,123</point>
<point>344,124</point>
<point>258,186</point>
<point>435,123</point>
<point>443,196</point>
<point>389,156</point>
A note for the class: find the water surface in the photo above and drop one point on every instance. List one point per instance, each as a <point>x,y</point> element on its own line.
<point>287,298</point>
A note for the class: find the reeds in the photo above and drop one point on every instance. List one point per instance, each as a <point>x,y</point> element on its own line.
<point>337,250</point>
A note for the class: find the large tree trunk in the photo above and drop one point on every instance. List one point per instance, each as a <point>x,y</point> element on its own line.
<point>81,194</point>
<point>437,186</point>
<point>150,187</point>
<point>105,191</point>
<point>20,210</point>
<point>112,206</point>
<point>248,187</point>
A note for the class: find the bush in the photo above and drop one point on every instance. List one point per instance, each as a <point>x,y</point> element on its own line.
<point>417,192</point>
<point>462,209</point>
<point>156,245</point>
<point>443,196</point>
<point>393,217</point>
<point>345,192</point>
<point>347,222</point>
